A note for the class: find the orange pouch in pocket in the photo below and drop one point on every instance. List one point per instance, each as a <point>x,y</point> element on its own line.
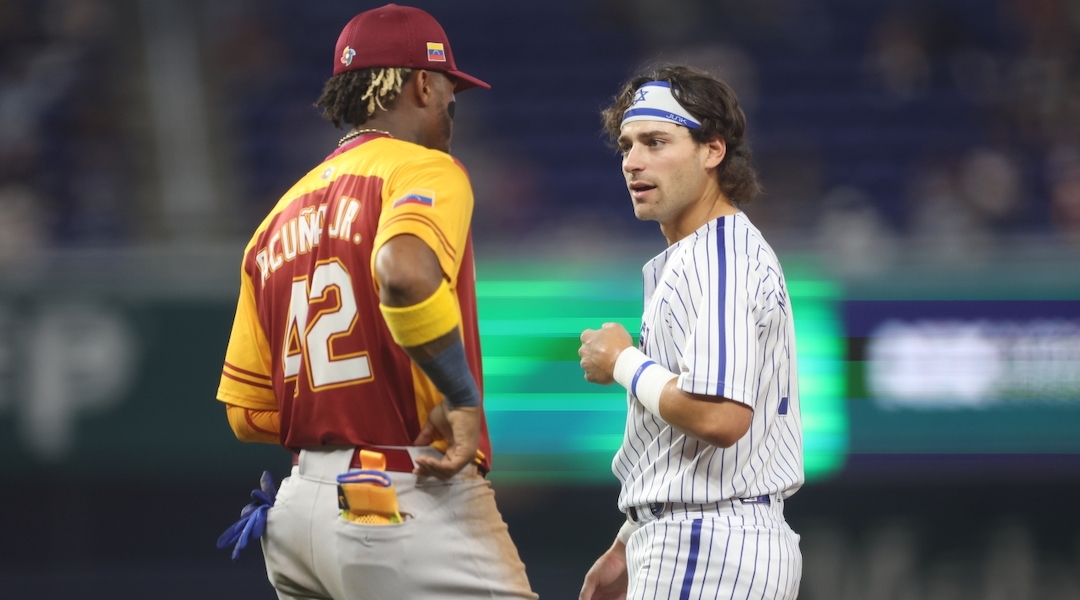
<point>367,495</point>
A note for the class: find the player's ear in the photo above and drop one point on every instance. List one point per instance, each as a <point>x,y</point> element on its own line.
<point>716,150</point>
<point>423,87</point>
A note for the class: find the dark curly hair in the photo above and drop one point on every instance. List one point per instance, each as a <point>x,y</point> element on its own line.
<point>353,96</point>
<point>712,102</point>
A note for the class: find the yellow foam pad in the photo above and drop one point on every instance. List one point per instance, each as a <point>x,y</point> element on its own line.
<point>365,498</point>
<point>421,323</point>
<point>369,459</point>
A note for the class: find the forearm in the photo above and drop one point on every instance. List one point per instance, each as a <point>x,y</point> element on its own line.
<point>422,315</point>
<point>254,425</point>
<point>713,419</point>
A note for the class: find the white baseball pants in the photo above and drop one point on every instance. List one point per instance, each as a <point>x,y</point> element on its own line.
<point>726,550</point>
<point>453,542</point>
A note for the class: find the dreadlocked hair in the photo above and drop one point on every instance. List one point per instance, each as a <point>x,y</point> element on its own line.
<point>352,97</point>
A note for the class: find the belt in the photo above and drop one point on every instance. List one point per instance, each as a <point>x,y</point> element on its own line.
<point>397,459</point>
<point>756,500</point>
<point>653,510</point>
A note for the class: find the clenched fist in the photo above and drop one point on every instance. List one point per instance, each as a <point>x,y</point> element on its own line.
<point>600,349</point>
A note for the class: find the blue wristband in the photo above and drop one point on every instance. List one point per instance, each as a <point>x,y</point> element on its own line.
<point>637,375</point>
<point>450,373</point>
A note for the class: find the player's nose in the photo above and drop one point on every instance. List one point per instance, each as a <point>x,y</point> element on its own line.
<point>633,160</point>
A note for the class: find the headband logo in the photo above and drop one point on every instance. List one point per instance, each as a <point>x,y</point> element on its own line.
<point>654,101</point>
<point>347,55</point>
<point>435,52</point>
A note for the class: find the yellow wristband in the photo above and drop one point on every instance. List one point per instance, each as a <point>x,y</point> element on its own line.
<point>421,323</point>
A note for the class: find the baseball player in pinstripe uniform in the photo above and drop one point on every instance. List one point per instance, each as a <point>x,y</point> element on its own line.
<point>355,344</point>
<point>713,441</point>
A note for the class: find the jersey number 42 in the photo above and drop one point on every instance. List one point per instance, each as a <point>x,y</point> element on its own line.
<point>312,343</point>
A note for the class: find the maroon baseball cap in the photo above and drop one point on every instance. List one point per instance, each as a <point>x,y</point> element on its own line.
<point>398,36</point>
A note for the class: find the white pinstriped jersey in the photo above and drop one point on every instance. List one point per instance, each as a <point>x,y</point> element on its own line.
<point>717,314</point>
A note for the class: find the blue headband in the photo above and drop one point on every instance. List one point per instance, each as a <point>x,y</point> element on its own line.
<point>655,102</point>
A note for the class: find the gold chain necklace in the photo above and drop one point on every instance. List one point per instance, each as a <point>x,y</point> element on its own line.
<point>352,135</point>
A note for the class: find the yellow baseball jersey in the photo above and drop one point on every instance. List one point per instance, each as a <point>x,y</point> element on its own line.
<point>308,338</point>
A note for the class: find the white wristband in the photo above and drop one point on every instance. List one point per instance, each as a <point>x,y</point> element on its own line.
<point>644,379</point>
<point>626,531</point>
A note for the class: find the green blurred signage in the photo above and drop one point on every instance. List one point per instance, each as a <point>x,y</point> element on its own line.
<point>548,424</point>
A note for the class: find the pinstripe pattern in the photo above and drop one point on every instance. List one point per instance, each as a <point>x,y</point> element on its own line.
<point>717,314</point>
<point>745,553</point>
<point>691,560</point>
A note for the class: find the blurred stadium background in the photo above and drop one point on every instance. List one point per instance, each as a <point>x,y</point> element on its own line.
<point>922,163</point>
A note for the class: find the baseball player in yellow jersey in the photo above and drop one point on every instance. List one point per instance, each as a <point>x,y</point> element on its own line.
<point>356,346</point>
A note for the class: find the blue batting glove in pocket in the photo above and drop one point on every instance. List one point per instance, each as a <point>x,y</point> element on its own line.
<point>252,521</point>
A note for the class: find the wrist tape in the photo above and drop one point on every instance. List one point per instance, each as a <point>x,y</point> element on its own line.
<point>421,323</point>
<point>626,531</point>
<point>450,373</point>
<point>642,377</point>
